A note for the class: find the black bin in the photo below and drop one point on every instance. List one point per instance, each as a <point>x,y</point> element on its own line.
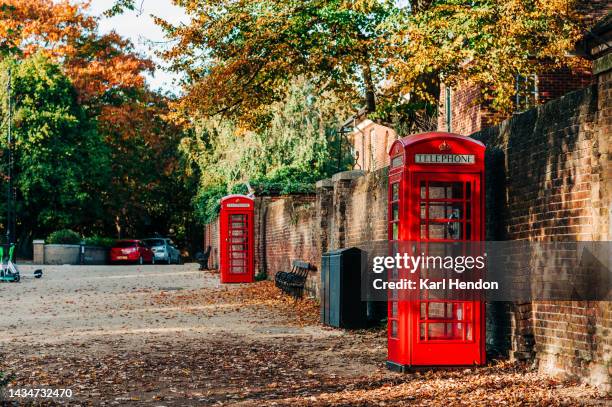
<point>341,304</point>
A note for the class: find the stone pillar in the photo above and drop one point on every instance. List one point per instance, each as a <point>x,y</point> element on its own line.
<point>39,251</point>
<point>342,189</point>
<point>325,211</point>
<point>324,219</point>
<point>260,232</point>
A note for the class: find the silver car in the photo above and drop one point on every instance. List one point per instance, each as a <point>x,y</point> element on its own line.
<point>164,250</point>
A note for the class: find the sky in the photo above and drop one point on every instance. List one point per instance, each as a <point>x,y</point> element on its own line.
<point>140,29</point>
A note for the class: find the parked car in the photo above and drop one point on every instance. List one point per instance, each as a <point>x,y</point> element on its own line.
<point>131,251</point>
<point>164,250</point>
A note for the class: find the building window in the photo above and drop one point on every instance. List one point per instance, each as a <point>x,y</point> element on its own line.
<point>526,92</point>
<point>372,150</point>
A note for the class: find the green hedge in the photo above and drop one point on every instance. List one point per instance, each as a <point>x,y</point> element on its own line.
<point>100,241</point>
<point>67,236</point>
<point>283,181</point>
<point>206,203</point>
<point>64,236</point>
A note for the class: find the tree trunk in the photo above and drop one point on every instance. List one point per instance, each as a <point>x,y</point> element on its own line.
<point>370,90</point>
<point>420,5</point>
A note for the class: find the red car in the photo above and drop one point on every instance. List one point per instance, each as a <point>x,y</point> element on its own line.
<point>131,251</point>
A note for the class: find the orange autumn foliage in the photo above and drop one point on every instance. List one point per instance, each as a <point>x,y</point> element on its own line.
<point>108,75</point>
<point>106,63</point>
<point>64,31</point>
<point>34,24</point>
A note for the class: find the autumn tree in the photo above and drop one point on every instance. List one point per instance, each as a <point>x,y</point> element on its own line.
<point>145,192</point>
<point>300,146</point>
<point>97,64</point>
<point>61,161</point>
<point>240,56</point>
<point>486,42</point>
<point>243,58</point>
<point>151,190</point>
<point>27,26</point>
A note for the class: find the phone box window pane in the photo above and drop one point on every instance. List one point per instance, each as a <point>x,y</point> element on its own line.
<point>395,211</point>
<point>393,328</point>
<point>397,161</point>
<point>394,311</point>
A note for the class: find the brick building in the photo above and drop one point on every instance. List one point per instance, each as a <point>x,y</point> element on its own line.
<point>370,143</point>
<point>462,110</point>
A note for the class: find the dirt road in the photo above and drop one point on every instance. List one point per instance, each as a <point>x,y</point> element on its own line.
<point>171,335</point>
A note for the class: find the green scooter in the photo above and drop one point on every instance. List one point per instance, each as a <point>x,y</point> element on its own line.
<point>9,273</point>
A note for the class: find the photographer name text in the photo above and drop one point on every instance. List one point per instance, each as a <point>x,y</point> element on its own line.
<point>427,284</point>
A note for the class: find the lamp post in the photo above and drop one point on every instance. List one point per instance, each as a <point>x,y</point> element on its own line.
<point>9,192</point>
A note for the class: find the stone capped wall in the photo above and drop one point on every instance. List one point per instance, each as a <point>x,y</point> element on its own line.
<point>366,209</point>
<point>549,178</point>
<point>303,227</point>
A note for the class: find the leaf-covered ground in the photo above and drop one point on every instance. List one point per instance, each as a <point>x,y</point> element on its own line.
<point>243,345</point>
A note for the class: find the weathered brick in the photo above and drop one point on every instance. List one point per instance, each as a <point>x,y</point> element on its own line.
<point>558,187</point>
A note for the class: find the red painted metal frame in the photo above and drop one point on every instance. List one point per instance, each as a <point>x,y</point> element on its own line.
<point>407,346</point>
<point>236,239</point>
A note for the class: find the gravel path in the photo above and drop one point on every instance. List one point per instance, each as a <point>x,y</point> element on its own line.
<point>173,336</point>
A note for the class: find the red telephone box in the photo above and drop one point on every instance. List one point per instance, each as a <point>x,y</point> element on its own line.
<point>436,194</point>
<point>236,239</point>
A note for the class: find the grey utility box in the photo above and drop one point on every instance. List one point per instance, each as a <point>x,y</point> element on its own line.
<point>341,304</point>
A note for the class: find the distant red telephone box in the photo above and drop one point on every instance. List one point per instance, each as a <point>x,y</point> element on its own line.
<point>236,239</point>
<point>436,194</point>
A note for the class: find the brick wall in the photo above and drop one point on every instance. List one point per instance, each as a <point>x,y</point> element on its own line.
<point>290,233</point>
<point>303,227</point>
<point>549,179</point>
<point>366,209</point>
<point>211,238</point>
<point>556,84</point>
<point>352,209</point>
